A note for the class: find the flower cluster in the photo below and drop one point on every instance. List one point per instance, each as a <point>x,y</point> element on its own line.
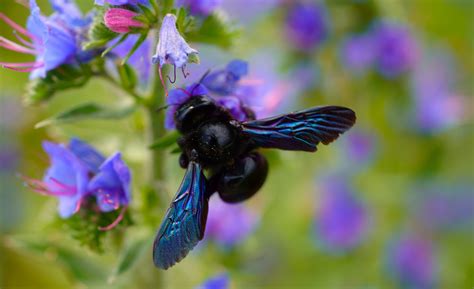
<point>78,172</point>
<point>54,40</point>
<point>388,47</point>
<point>306,26</point>
<point>342,220</point>
<point>411,262</point>
<point>229,224</point>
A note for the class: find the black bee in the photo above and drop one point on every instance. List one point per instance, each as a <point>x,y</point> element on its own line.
<point>213,140</point>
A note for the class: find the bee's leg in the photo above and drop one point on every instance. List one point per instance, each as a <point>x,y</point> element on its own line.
<point>242,179</point>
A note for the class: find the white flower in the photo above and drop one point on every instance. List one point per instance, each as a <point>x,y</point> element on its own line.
<point>171,48</point>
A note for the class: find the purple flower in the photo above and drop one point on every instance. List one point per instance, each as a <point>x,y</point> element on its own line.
<point>437,105</point>
<point>78,171</point>
<point>199,7</point>
<point>235,107</point>
<point>224,81</point>
<point>51,39</point>
<point>111,185</point>
<point>171,48</point>
<point>388,47</point>
<point>220,281</point>
<point>66,178</point>
<point>341,222</point>
<point>358,53</point>
<point>306,26</point>
<point>178,96</point>
<point>121,2</point>
<point>359,146</point>
<point>444,208</point>
<point>139,60</point>
<point>412,263</point>
<point>229,224</point>
<point>395,48</point>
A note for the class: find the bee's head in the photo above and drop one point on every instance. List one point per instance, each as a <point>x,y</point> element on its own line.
<point>196,110</point>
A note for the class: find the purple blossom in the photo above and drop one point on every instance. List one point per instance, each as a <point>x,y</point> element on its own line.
<point>229,224</point>
<point>359,147</point>
<point>178,96</point>
<point>121,2</point>
<point>66,178</point>
<point>199,7</point>
<point>140,59</point>
<point>341,222</point>
<point>52,40</point>
<point>306,26</point>
<point>388,47</point>
<point>395,48</point>
<point>111,185</point>
<point>235,106</point>
<point>171,48</point>
<point>224,81</point>
<point>444,208</point>
<point>437,105</point>
<point>358,53</point>
<point>220,281</point>
<point>412,263</point>
<point>78,171</point>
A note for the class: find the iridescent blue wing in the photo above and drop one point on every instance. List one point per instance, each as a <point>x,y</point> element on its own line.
<point>300,131</point>
<point>185,221</point>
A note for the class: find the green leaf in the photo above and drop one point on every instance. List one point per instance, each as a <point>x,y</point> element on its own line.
<point>127,75</point>
<point>87,111</point>
<point>130,255</point>
<point>61,78</point>
<point>213,30</point>
<point>166,141</point>
<point>99,34</point>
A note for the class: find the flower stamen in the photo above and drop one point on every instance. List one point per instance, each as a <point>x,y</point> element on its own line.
<point>115,222</point>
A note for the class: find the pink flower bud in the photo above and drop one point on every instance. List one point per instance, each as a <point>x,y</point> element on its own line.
<point>121,20</point>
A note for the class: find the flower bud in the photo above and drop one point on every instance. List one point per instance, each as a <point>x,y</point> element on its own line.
<point>121,20</point>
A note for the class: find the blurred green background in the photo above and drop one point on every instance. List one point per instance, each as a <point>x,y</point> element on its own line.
<point>405,166</point>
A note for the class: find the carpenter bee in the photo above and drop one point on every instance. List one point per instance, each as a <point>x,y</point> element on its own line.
<point>212,140</point>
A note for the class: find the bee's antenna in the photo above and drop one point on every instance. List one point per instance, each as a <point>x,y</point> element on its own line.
<point>163,107</point>
<point>200,80</point>
<point>204,76</point>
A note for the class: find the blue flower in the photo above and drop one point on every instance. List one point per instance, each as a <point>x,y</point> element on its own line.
<point>220,281</point>
<point>224,81</point>
<point>388,47</point>
<point>229,224</point>
<point>199,7</point>
<point>411,262</point>
<point>78,171</point>
<point>111,185</point>
<point>395,48</point>
<point>139,59</point>
<point>341,221</point>
<point>306,26</point>
<point>172,48</point>
<point>178,96</point>
<point>66,178</point>
<point>54,40</point>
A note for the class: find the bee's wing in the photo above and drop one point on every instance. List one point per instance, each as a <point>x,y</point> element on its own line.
<point>185,221</point>
<point>301,130</point>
